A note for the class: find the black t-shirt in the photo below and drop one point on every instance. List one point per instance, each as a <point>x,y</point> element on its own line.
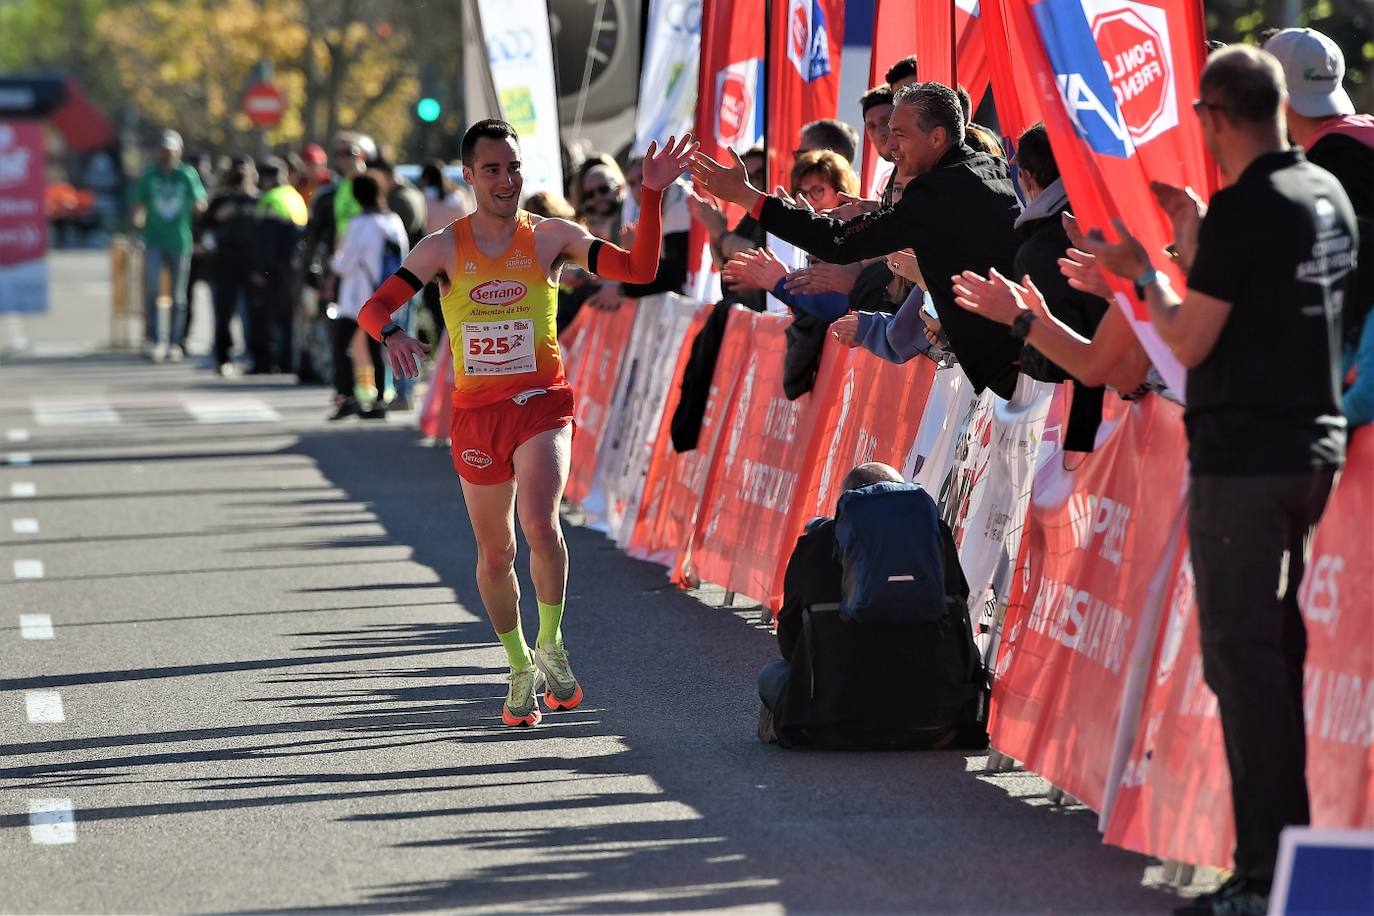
<point>1278,245</point>
<point>1352,162</point>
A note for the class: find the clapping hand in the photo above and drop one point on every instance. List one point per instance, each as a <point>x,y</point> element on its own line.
<point>757,268</point>
<point>821,277</point>
<point>996,297</point>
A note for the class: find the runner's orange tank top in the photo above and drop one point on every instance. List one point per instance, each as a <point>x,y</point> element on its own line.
<point>502,318</point>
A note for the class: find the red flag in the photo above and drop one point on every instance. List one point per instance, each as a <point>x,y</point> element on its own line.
<point>970,49</point>
<point>806,37</point>
<point>729,94</point>
<point>1018,106</point>
<point>1115,80</point>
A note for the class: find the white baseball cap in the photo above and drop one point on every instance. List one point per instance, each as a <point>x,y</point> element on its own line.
<point>1313,67</point>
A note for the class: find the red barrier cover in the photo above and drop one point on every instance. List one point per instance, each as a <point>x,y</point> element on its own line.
<point>1175,799</point>
<point>659,533</point>
<point>1095,538</point>
<point>596,339</point>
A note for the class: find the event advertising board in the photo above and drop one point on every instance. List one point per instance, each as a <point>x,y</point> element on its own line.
<point>521,57</point>
<point>23,222</point>
<point>668,84</point>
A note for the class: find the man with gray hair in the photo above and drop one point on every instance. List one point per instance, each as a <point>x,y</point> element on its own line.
<point>1266,263</point>
<point>957,212</point>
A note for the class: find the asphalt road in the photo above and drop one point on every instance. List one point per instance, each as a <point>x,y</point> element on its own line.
<point>269,686</point>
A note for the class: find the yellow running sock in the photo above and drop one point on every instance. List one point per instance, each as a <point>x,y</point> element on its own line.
<point>550,624</point>
<point>517,653</point>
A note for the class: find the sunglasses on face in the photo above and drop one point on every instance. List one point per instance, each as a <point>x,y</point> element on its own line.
<point>600,190</point>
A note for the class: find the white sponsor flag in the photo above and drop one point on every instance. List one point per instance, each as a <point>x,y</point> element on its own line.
<point>668,85</point>
<point>521,57</point>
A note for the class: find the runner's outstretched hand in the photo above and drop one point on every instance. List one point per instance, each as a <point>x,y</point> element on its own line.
<point>406,354</point>
<point>663,167</point>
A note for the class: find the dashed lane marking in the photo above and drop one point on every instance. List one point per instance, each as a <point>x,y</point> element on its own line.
<point>44,707</point>
<point>28,569</point>
<point>52,821</point>
<point>231,410</point>
<point>23,490</point>
<point>19,459</point>
<point>24,525</point>
<point>73,413</point>
<point>16,435</point>
<point>35,626</point>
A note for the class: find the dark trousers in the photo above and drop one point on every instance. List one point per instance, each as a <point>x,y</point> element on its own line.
<point>343,362</point>
<point>270,338</point>
<point>230,292</point>
<point>1250,538</point>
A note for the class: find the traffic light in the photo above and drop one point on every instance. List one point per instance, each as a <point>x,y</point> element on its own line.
<point>428,109</point>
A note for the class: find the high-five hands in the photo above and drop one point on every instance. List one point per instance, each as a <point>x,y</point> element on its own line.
<point>662,167</point>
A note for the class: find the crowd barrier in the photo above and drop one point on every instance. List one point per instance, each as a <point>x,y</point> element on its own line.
<point>1098,674</point>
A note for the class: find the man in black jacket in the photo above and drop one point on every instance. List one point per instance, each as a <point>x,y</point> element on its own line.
<point>957,213</point>
<point>850,685</point>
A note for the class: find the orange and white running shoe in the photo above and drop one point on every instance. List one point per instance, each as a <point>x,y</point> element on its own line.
<point>563,690</point>
<point>522,698</point>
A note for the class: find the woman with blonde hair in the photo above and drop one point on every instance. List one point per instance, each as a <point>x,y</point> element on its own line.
<point>821,176</point>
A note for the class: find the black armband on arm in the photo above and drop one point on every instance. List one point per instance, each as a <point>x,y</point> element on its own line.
<point>410,278</point>
<point>594,254</point>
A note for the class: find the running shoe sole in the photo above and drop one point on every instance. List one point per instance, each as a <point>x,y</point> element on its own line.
<point>534,718</point>
<point>555,704</point>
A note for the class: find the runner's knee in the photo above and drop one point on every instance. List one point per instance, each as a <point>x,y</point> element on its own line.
<point>543,536</point>
<point>496,561</point>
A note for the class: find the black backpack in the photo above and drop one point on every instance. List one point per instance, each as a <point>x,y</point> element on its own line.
<point>887,539</point>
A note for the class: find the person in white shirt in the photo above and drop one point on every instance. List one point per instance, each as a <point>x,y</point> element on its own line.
<point>373,247</point>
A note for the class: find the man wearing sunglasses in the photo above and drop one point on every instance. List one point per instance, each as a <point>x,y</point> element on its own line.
<point>497,271</point>
<point>1258,329</point>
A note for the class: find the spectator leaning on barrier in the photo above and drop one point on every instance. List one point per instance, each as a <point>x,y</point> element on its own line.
<point>1322,120</point>
<point>1265,434</point>
<point>165,199</point>
<point>956,213</point>
<point>845,683</point>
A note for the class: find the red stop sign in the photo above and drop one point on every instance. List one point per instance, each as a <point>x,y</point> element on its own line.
<point>264,104</point>
<point>1138,65</point>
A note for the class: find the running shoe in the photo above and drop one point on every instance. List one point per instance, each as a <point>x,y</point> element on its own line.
<point>563,690</point>
<point>522,700</point>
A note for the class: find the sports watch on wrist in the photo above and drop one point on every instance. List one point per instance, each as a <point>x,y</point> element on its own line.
<point>1021,324</point>
<point>391,328</point>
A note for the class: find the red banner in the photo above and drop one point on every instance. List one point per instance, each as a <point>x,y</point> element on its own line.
<point>1017,109</point>
<point>805,40</point>
<point>595,341</point>
<point>1174,800</point>
<point>1096,540</point>
<point>1115,80</point>
<point>729,94</point>
<point>23,222</point>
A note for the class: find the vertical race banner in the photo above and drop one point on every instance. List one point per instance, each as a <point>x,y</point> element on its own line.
<point>729,113</point>
<point>23,222</point>
<point>1115,80</point>
<point>668,84</point>
<point>521,57</point>
<point>1018,107</point>
<point>805,37</point>
<point>970,49</point>
<point>894,28</point>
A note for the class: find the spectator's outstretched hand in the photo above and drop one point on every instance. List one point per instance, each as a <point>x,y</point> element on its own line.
<point>755,269</point>
<point>1185,211</point>
<point>821,277</point>
<point>728,181</point>
<point>606,298</point>
<point>706,212</point>
<point>799,201</point>
<point>903,264</point>
<point>665,166</point>
<point>853,207</point>
<point>996,297</point>
<point>846,329</point>
<point>1081,270</point>
<point>627,233</point>
<point>1126,258</point>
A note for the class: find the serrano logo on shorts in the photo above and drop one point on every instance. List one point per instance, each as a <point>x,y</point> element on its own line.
<point>476,458</point>
<point>498,292</point>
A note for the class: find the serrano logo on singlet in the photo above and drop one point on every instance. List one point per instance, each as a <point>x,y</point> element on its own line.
<point>477,459</point>
<point>498,292</point>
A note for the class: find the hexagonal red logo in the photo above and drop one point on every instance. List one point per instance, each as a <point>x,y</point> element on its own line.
<point>799,30</point>
<point>734,109</point>
<point>1138,64</point>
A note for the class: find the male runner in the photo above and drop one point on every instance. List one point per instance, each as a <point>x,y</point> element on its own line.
<point>497,271</point>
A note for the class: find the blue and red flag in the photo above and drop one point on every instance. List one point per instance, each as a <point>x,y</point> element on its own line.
<point>805,39</point>
<point>1115,80</point>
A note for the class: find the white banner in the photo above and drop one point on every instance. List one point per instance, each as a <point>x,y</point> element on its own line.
<point>668,85</point>
<point>521,57</point>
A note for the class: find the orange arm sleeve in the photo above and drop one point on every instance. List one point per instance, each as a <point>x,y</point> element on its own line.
<point>394,292</point>
<point>640,263</point>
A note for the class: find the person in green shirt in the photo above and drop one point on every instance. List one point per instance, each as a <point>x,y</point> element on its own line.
<point>165,198</point>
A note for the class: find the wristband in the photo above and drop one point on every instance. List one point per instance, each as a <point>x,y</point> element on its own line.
<point>1148,277</point>
<point>389,330</point>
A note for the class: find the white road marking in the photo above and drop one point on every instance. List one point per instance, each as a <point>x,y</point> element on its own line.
<point>19,459</point>
<point>44,706</point>
<point>28,569</point>
<point>35,626</point>
<point>23,490</point>
<point>73,413</point>
<point>24,525</point>
<point>17,435</point>
<point>52,821</point>
<point>231,410</point>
